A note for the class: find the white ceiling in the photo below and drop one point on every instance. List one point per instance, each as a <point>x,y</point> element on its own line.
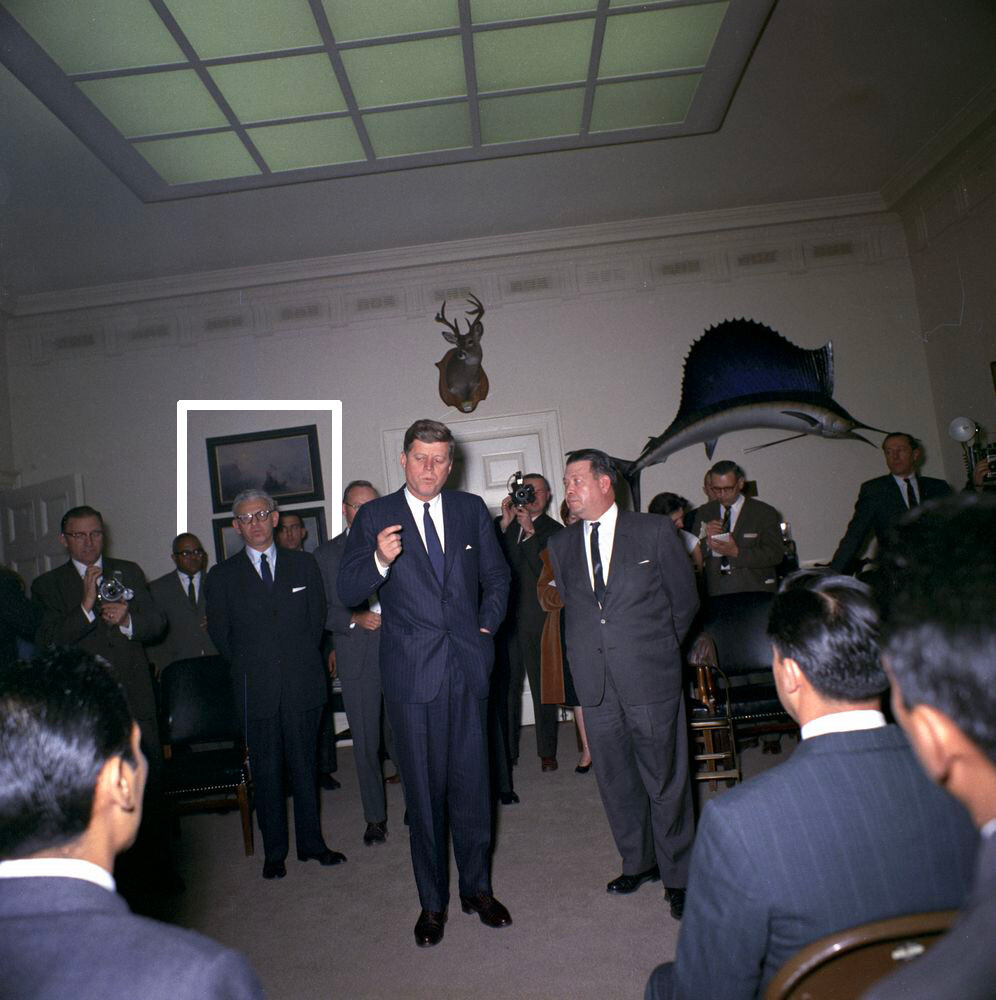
<point>841,97</point>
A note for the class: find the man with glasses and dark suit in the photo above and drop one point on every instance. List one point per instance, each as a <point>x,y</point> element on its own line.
<point>266,613</point>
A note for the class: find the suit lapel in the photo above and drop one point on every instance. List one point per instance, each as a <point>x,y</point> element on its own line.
<point>449,536</point>
<point>416,547</point>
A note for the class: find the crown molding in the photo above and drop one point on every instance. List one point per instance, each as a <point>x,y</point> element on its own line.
<point>457,251</point>
<point>944,142</point>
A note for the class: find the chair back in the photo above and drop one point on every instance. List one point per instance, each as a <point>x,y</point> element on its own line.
<point>849,962</point>
<point>197,704</point>
<point>737,624</point>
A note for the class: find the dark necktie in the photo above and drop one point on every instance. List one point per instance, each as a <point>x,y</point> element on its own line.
<point>432,545</point>
<point>264,572</point>
<point>596,564</point>
<point>724,562</point>
<point>191,592</point>
<point>910,494</point>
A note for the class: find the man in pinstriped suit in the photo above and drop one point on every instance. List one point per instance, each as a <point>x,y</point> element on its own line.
<point>846,831</point>
<point>433,557</point>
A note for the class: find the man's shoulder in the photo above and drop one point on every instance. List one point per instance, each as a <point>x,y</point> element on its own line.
<point>52,576</point>
<point>332,547</point>
<point>877,484</point>
<point>760,507</point>
<point>164,583</point>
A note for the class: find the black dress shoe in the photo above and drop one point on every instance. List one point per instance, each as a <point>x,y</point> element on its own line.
<point>487,908</point>
<point>325,858</point>
<point>630,883</point>
<point>508,798</point>
<point>676,897</point>
<point>548,763</point>
<point>329,783</point>
<point>376,833</point>
<point>429,928</point>
<point>274,869</point>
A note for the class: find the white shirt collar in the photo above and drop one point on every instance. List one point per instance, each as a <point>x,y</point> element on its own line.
<point>989,829</point>
<point>606,523</point>
<point>58,868</point>
<point>81,568</point>
<point>418,506</point>
<point>843,722</point>
<point>271,556</point>
<point>184,579</point>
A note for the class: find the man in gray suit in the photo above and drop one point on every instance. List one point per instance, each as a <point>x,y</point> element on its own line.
<point>630,598</point>
<point>180,596</point>
<point>356,634</point>
<point>936,586</point>
<point>846,831</point>
<point>71,780</point>
<point>742,537</point>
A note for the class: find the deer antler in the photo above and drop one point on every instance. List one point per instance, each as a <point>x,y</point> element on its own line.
<point>454,327</point>
<point>477,312</point>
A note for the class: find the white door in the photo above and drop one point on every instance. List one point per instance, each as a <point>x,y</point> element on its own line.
<point>31,517</point>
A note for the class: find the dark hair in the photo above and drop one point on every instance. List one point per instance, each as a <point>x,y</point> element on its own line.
<point>429,432</point>
<point>601,464</point>
<point>912,441</point>
<point>62,716</point>
<point>936,586</point>
<point>282,523</point>
<point>565,511</point>
<point>667,504</point>
<point>538,475</point>
<point>355,484</point>
<point>82,511</point>
<point>184,534</point>
<point>829,625</point>
<point>725,467</point>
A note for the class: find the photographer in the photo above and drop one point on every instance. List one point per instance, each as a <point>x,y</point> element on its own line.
<point>103,606</point>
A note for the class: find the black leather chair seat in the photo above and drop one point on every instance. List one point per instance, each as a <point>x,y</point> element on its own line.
<point>206,770</point>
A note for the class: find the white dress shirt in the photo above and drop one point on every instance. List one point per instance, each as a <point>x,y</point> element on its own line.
<point>185,582</point>
<point>843,722</point>
<point>901,483</point>
<point>271,557</point>
<point>417,507</point>
<point>58,868</point>
<point>606,539</point>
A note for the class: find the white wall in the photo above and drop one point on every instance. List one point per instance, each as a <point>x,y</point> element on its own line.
<point>599,335</point>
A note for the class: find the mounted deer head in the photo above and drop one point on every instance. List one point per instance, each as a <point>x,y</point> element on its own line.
<point>462,381</point>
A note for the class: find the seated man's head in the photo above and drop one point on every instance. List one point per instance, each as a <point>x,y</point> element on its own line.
<point>72,773</point>
<point>824,632</point>
<point>936,586</point>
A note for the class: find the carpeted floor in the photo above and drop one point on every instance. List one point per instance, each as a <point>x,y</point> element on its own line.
<point>346,932</point>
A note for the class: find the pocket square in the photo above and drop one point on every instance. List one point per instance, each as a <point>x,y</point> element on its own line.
<point>750,534</point>
<point>467,548</point>
<point>643,562</point>
<point>294,590</point>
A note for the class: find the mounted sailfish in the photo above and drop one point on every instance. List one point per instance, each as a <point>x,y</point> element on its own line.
<point>741,374</point>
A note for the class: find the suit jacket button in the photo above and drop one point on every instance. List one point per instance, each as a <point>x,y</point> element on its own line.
<point>603,621</point>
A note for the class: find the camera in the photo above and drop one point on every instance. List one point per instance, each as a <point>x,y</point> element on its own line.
<point>522,494</point>
<point>111,590</point>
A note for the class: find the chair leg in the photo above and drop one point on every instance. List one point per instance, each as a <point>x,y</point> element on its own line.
<point>247,835</point>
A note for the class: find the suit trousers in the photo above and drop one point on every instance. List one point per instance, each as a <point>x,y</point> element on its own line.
<point>443,754</point>
<point>286,740</point>
<point>524,660</point>
<point>362,698</point>
<point>640,756</point>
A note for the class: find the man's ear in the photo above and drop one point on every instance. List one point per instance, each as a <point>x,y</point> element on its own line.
<point>117,785</point>
<point>791,673</point>
<point>935,739</point>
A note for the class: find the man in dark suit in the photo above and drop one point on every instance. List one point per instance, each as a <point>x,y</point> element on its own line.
<point>524,531</point>
<point>356,633</point>
<point>180,596</point>
<point>19,617</point>
<point>71,780</point>
<point>935,586</point>
<point>884,500</point>
<point>433,558</point>
<point>630,597</point>
<point>742,537</point>
<point>846,831</point>
<point>266,615</point>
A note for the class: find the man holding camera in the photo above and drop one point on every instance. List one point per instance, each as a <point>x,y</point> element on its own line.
<point>525,528</point>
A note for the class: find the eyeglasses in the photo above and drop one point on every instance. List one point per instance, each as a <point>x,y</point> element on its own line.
<point>356,506</point>
<point>189,552</point>
<point>256,515</point>
<point>82,536</point>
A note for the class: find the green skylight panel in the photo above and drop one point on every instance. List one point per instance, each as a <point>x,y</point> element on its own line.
<point>154,103</point>
<point>419,130</point>
<point>218,28</point>
<point>406,71</point>
<point>531,116</point>
<point>354,19</point>
<point>190,159</point>
<point>280,88</point>
<point>97,35</point>
<point>641,103</point>
<point>486,11</point>
<point>308,144</point>
<point>509,58</point>
<point>658,40</point>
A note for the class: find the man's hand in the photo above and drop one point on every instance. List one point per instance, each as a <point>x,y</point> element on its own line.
<point>331,663</point>
<point>525,522</point>
<point>369,620</point>
<point>713,528</point>
<point>724,548</point>
<point>389,544</point>
<point>116,613</point>
<point>507,512</point>
<point>979,472</point>
<point>90,578</point>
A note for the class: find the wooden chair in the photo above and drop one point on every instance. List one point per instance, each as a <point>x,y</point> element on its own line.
<point>205,761</point>
<point>844,965</point>
<point>734,697</point>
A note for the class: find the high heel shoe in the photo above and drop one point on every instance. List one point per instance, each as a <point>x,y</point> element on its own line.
<point>583,768</point>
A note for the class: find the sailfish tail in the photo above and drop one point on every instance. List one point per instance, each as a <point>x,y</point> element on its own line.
<point>626,469</point>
